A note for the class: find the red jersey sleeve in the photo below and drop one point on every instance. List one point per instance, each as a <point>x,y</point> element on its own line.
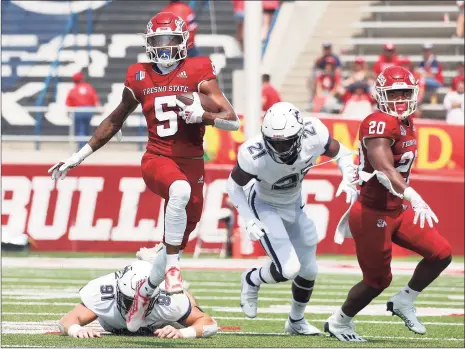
<point>204,69</point>
<point>379,125</point>
<point>134,74</point>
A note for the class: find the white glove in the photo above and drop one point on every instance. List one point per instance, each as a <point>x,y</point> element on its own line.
<point>350,190</point>
<point>347,185</point>
<point>77,331</point>
<point>191,114</point>
<point>168,332</point>
<point>420,207</point>
<point>60,169</point>
<point>255,229</point>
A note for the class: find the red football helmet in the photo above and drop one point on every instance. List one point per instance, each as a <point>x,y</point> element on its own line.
<point>166,39</point>
<point>396,80</point>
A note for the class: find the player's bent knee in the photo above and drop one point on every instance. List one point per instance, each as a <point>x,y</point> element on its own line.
<point>378,282</point>
<point>309,272</point>
<point>180,193</point>
<point>290,269</point>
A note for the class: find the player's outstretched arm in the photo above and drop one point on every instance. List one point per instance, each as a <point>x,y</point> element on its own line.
<point>104,132</point>
<point>73,322</point>
<point>380,155</point>
<point>113,122</point>
<point>226,119</point>
<point>235,187</point>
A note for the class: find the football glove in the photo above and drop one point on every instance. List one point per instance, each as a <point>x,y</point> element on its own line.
<point>420,207</point>
<point>255,229</point>
<point>191,114</point>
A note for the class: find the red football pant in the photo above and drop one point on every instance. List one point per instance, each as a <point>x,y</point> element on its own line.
<point>374,231</point>
<point>159,172</point>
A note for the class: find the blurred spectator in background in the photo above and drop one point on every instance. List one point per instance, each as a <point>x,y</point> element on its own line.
<point>459,77</point>
<point>82,95</point>
<point>238,6</point>
<point>430,68</point>
<point>269,8</point>
<point>183,10</point>
<point>358,73</point>
<point>385,59</point>
<point>270,95</point>
<point>454,104</point>
<point>327,88</point>
<point>460,20</point>
<point>319,66</point>
<point>357,101</point>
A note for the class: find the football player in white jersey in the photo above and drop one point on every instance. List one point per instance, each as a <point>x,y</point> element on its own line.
<point>278,159</point>
<point>108,299</point>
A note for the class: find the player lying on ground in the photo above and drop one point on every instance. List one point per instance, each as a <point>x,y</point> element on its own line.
<point>108,299</point>
<point>387,148</point>
<point>278,159</point>
<point>173,165</point>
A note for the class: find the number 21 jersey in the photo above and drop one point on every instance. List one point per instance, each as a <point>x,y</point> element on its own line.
<point>404,148</point>
<point>169,135</point>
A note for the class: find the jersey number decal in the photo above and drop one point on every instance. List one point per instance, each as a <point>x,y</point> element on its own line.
<point>309,130</point>
<point>166,110</point>
<point>287,182</point>
<point>107,292</point>
<point>163,300</point>
<point>256,150</point>
<point>405,163</point>
<point>376,127</point>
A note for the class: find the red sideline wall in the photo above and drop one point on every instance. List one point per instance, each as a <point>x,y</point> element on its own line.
<point>108,208</point>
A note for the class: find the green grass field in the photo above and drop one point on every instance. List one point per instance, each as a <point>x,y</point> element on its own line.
<point>33,300</point>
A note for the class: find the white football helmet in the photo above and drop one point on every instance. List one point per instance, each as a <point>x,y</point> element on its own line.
<point>126,286</point>
<point>282,131</point>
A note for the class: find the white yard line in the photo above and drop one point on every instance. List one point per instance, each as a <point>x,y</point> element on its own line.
<point>243,318</point>
<point>324,266</point>
<point>376,337</point>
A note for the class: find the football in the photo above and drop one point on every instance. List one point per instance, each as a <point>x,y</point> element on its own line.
<point>207,102</point>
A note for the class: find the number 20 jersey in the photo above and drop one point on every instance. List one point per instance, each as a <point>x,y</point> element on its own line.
<point>281,184</point>
<point>404,148</point>
<point>169,135</point>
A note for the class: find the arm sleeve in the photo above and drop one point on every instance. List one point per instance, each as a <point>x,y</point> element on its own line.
<point>130,82</point>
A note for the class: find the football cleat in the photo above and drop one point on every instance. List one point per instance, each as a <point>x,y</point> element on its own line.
<point>136,314</point>
<point>301,327</point>
<point>343,332</point>
<point>249,296</point>
<point>404,308</point>
<point>173,281</point>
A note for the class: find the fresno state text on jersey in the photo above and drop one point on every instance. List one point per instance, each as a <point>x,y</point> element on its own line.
<point>169,135</point>
<point>404,148</point>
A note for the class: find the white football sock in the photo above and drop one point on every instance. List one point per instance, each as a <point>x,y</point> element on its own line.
<point>172,260</point>
<point>409,294</point>
<point>297,310</point>
<point>157,274</point>
<point>262,275</point>
<point>341,317</point>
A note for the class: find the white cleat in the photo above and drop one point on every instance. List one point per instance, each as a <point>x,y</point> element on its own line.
<point>249,296</point>
<point>404,308</point>
<point>173,281</point>
<point>343,332</point>
<point>136,314</point>
<point>301,327</point>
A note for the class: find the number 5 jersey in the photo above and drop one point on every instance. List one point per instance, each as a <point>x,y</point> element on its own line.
<point>169,135</point>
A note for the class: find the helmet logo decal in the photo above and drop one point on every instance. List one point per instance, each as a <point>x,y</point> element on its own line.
<point>179,24</point>
<point>297,116</point>
<point>149,27</point>
<point>412,79</point>
<point>381,79</point>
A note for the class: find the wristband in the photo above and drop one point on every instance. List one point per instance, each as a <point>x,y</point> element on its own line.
<point>85,151</point>
<point>188,332</point>
<point>73,330</point>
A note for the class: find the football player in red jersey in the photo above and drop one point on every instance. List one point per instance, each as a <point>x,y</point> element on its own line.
<point>387,149</point>
<point>173,165</point>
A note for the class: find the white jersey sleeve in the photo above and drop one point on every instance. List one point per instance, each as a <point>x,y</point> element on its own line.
<point>249,153</point>
<point>314,127</point>
<point>172,308</point>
